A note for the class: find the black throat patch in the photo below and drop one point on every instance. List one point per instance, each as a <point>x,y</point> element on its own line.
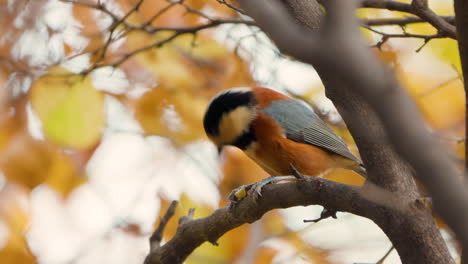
<point>244,140</point>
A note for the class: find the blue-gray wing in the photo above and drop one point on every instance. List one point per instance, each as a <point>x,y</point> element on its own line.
<point>301,124</point>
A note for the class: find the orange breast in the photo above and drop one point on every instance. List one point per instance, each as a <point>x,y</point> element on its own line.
<point>274,152</point>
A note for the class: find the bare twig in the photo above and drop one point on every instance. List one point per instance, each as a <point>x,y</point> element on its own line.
<point>387,36</point>
<point>421,9</point>
<point>401,21</point>
<point>156,237</point>
<point>147,27</point>
<point>187,218</point>
<point>418,8</point>
<point>223,2</point>
<point>326,213</point>
<point>159,13</point>
<point>176,33</point>
<point>382,260</point>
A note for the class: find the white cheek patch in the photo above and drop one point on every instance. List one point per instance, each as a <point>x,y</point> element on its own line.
<point>235,123</point>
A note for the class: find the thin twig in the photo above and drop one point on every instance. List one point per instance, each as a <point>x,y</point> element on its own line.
<point>401,21</point>
<point>387,36</point>
<point>223,2</point>
<point>156,237</point>
<point>418,8</point>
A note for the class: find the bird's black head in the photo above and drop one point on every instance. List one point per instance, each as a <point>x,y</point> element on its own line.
<point>229,116</point>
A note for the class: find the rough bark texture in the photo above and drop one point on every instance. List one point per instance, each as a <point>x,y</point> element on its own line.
<point>192,233</point>
<point>461,20</point>
<point>416,238</point>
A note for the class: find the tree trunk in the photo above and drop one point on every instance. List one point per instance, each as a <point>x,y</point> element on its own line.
<point>414,233</point>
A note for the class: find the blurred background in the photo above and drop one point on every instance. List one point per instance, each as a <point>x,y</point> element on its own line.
<point>101,127</point>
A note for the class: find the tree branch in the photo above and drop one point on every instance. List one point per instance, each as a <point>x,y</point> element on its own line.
<point>386,36</point>
<point>156,237</point>
<point>461,19</point>
<point>401,21</point>
<point>387,4</point>
<point>381,90</point>
<point>192,233</point>
<point>421,9</point>
<point>418,8</point>
<point>341,58</point>
<point>150,29</point>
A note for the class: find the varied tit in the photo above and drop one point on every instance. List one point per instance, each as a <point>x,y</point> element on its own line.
<point>277,132</point>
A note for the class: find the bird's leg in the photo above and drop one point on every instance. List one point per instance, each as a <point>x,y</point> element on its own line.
<point>240,192</point>
<point>257,187</point>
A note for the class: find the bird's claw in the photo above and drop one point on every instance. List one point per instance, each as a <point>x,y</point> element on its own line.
<point>256,188</point>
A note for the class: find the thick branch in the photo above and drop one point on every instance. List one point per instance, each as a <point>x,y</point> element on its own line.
<point>387,4</point>
<point>343,61</point>
<point>345,54</point>
<point>461,12</point>
<point>192,233</point>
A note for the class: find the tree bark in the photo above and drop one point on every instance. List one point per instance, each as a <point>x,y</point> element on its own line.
<point>461,22</point>
<point>415,237</point>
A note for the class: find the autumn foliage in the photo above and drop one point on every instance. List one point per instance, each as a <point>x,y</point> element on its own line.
<point>73,79</point>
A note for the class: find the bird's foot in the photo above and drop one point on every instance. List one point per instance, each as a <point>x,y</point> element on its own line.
<point>241,192</point>
<point>326,213</point>
<point>257,187</point>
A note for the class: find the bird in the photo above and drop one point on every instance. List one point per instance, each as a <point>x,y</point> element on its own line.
<point>282,135</point>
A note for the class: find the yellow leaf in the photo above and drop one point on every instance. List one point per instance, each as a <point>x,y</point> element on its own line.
<point>230,245</point>
<point>447,50</point>
<point>445,106</point>
<point>62,176</point>
<point>25,161</point>
<point>202,48</point>
<point>71,110</point>
<point>173,114</point>
<point>191,64</point>
<point>30,163</point>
